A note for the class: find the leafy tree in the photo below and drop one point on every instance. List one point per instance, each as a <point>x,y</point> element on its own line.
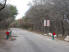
<point>7,15</point>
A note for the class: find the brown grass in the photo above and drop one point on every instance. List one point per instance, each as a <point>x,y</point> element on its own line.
<point>2,35</point>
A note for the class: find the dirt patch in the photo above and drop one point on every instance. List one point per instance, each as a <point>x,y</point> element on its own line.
<point>2,35</point>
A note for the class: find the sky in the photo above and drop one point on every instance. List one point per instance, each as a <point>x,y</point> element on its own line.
<point>21,5</point>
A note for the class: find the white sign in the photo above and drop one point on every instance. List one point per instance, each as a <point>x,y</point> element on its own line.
<point>48,23</point>
<point>45,23</point>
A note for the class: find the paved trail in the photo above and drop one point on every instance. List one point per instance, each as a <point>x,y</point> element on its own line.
<point>31,42</point>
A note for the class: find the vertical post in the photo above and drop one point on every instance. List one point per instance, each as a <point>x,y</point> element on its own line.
<point>44,29</point>
<point>45,24</point>
<point>62,29</point>
<point>56,28</point>
<point>52,37</point>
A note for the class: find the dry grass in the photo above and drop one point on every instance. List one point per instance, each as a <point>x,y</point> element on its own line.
<point>2,35</point>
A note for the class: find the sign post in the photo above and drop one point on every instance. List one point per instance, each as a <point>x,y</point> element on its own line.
<point>46,24</point>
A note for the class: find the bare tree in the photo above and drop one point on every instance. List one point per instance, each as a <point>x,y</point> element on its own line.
<point>54,10</point>
<point>2,4</point>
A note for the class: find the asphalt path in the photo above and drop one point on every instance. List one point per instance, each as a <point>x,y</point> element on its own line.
<point>27,41</point>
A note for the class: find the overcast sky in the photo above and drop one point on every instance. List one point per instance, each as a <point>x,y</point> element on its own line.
<point>21,5</point>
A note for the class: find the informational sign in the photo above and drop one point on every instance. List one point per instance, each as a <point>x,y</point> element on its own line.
<point>47,23</point>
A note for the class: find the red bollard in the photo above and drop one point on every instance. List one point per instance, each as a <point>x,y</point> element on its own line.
<point>7,35</point>
<point>53,35</point>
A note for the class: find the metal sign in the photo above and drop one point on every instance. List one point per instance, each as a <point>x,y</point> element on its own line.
<point>47,23</point>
